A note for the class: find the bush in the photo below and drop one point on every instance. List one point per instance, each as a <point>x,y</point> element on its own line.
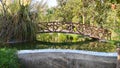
<point>8,58</point>
<point>17,24</point>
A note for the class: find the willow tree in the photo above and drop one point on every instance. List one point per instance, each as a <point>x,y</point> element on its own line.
<point>18,24</point>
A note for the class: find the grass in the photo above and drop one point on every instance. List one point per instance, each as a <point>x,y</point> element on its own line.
<point>8,58</point>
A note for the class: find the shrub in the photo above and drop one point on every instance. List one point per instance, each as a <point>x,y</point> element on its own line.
<point>8,58</point>
<point>17,24</point>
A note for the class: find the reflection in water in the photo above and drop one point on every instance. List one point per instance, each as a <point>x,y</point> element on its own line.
<point>83,45</point>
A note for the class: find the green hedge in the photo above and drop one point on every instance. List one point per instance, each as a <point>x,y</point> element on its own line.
<point>8,58</point>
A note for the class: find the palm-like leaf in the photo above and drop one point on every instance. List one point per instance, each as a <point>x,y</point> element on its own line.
<point>17,23</point>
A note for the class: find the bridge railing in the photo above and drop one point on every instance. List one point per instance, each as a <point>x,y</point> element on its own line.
<point>74,28</point>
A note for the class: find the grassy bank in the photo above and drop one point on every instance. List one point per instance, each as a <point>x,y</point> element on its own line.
<point>8,58</point>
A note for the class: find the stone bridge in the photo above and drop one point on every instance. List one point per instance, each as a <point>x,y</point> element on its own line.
<point>74,28</point>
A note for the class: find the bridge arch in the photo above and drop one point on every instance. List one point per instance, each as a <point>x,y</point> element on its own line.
<point>74,28</point>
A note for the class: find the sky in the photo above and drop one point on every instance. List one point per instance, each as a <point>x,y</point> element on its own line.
<point>51,3</point>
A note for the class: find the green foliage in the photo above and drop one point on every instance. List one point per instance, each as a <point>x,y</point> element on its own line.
<point>114,1</point>
<point>44,37</point>
<point>62,38</point>
<point>17,23</point>
<point>54,37</point>
<point>8,58</point>
<point>98,46</point>
<point>59,41</point>
<point>97,13</point>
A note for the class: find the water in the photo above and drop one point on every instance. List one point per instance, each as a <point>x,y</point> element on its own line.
<point>82,45</point>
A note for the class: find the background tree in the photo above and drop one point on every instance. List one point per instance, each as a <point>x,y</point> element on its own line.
<point>98,13</point>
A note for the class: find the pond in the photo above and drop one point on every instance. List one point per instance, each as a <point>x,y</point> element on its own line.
<point>74,42</point>
<point>86,45</point>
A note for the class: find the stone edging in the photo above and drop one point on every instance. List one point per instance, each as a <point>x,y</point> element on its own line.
<point>106,54</point>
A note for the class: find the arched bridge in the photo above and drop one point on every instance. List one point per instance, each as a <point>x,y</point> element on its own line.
<point>74,28</point>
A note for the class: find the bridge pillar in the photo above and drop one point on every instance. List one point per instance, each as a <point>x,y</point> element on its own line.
<point>118,58</point>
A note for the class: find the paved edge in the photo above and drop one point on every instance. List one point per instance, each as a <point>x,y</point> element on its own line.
<point>106,54</point>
